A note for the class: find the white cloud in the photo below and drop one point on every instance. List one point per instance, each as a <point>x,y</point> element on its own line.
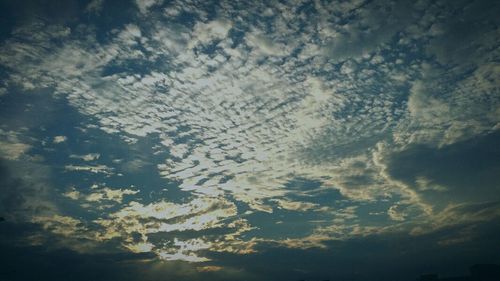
<point>62,225</point>
<point>109,194</point>
<point>92,169</point>
<point>396,214</point>
<point>13,151</point>
<point>265,46</point>
<point>100,194</point>
<point>11,147</point>
<point>206,32</point>
<point>295,206</point>
<point>145,5</point>
<point>72,194</point>
<point>59,139</point>
<point>441,113</point>
<point>165,217</point>
<point>86,157</point>
<point>184,250</point>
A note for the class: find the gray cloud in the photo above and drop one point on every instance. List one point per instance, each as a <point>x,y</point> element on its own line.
<point>469,170</point>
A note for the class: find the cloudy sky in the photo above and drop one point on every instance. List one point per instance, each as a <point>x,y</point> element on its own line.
<point>248,140</point>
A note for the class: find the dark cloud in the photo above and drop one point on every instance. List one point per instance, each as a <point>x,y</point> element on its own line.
<point>370,25</point>
<point>378,257</point>
<point>21,262</point>
<point>15,13</point>
<point>10,196</point>
<point>467,34</point>
<point>23,190</point>
<point>470,169</point>
<point>36,263</point>
<point>386,257</point>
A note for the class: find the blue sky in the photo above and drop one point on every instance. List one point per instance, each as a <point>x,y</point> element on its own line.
<point>229,140</point>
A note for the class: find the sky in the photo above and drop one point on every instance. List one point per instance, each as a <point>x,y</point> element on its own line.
<point>248,140</point>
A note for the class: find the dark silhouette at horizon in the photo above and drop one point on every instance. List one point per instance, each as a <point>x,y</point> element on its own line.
<point>478,272</point>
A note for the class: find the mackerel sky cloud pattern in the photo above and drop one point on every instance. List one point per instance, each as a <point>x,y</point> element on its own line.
<point>191,132</point>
